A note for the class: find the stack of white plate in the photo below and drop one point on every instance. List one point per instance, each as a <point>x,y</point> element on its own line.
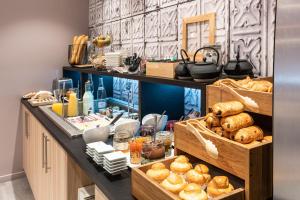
<point>113,59</point>
<point>115,162</point>
<point>97,149</point>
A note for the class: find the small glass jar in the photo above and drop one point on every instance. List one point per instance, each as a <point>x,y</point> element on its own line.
<point>147,130</point>
<point>166,137</point>
<point>121,140</point>
<point>135,152</point>
<point>153,150</point>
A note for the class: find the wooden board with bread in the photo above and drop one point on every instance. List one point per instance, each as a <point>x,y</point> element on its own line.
<point>177,178</point>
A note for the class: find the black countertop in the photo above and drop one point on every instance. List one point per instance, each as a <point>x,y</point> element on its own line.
<point>114,187</point>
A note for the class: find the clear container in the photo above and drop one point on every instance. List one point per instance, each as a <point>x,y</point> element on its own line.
<point>101,95</point>
<point>135,152</point>
<point>88,99</point>
<point>166,137</point>
<point>147,130</point>
<point>153,150</point>
<point>121,140</point>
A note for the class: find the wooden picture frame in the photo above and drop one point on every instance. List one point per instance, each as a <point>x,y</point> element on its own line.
<point>210,18</point>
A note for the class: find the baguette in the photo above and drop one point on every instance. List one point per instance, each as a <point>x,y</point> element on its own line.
<point>75,48</point>
<point>80,49</point>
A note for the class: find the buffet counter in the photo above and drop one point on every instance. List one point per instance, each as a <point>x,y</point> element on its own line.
<point>117,187</point>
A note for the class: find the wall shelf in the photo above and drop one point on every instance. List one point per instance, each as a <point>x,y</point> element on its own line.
<point>150,85</point>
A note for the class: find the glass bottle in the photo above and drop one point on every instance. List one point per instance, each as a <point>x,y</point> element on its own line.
<point>88,99</point>
<point>101,95</point>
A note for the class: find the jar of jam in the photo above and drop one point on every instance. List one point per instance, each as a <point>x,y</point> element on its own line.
<point>153,150</point>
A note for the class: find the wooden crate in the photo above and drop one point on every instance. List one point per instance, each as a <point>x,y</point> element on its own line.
<point>250,162</point>
<point>214,94</point>
<point>144,188</point>
<point>161,69</point>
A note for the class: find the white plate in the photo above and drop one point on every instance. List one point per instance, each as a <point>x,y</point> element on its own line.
<point>115,156</point>
<point>115,171</point>
<point>115,162</point>
<point>114,165</point>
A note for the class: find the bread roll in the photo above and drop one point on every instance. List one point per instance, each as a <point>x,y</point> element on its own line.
<point>227,108</point>
<point>181,165</point>
<point>193,192</point>
<point>236,122</point>
<point>158,172</point>
<point>249,134</point>
<point>200,175</point>
<point>174,183</point>
<point>219,185</point>
<point>211,120</point>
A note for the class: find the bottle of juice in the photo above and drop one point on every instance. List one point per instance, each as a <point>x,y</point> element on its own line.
<point>88,99</point>
<point>73,105</point>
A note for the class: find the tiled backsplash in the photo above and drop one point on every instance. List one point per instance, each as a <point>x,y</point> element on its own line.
<point>152,28</point>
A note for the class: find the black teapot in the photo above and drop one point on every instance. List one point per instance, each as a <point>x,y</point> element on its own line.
<point>205,70</point>
<point>239,67</point>
<point>181,69</point>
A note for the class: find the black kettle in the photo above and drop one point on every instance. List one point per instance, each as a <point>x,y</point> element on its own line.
<point>181,69</point>
<point>239,67</point>
<point>205,70</point>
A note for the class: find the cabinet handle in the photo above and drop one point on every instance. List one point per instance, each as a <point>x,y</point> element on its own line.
<point>43,149</point>
<point>46,154</point>
<point>26,124</point>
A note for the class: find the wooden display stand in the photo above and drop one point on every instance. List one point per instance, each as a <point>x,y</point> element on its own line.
<point>250,162</point>
<point>144,188</point>
<point>215,94</point>
<point>161,69</point>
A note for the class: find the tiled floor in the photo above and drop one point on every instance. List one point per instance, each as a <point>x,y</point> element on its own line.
<point>17,189</point>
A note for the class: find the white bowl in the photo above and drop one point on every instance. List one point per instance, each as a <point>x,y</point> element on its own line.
<point>150,120</point>
<point>96,134</point>
<point>129,125</point>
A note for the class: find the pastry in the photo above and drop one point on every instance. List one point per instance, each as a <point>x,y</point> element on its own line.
<point>259,86</point>
<point>211,120</point>
<point>219,185</point>
<point>199,175</point>
<point>158,172</point>
<point>203,169</point>
<point>181,165</point>
<point>75,47</point>
<point>249,134</point>
<point>225,109</point>
<point>193,192</point>
<point>218,130</point>
<point>236,122</point>
<point>174,183</point>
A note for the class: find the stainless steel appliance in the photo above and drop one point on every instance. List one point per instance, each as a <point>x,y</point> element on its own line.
<point>286,118</point>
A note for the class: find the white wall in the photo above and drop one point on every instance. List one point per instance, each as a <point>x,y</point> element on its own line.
<point>34,35</point>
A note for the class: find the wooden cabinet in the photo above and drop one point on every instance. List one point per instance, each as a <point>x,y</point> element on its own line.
<point>51,173</point>
<point>99,194</point>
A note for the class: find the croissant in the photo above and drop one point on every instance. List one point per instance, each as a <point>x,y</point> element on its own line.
<point>211,120</point>
<point>236,122</point>
<point>227,108</point>
<point>249,134</point>
<point>219,185</point>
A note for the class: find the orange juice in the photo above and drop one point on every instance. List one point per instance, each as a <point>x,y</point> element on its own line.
<point>58,108</point>
<point>73,105</point>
